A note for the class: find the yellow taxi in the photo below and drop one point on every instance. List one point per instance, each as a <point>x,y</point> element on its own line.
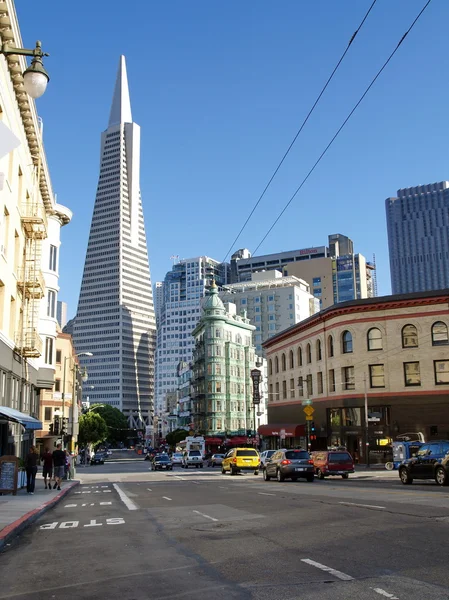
<point>241,459</point>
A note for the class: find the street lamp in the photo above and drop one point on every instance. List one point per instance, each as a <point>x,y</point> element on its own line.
<point>35,77</point>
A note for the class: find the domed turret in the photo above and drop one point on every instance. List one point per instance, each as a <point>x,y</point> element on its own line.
<point>213,304</point>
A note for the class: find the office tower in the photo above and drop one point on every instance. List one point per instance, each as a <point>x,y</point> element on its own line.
<point>115,320</point>
<point>184,288</point>
<point>61,313</point>
<point>334,272</point>
<point>418,238</point>
<point>272,303</point>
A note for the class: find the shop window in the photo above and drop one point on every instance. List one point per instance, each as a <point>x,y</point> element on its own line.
<point>276,364</point>
<point>284,390</point>
<point>346,340</point>
<point>283,362</point>
<point>335,417</point>
<point>292,362</point>
<point>330,346</point>
<point>348,378</point>
<point>309,353</point>
<point>439,334</point>
<point>332,380</point>
<point>374,339</point>
<point>318,350</point>
<point>441,370</point>
<point>319,382</point>
<point>292,388</point>
<point>351,417</point>
<point>376,376</point>
<point>299,356</point>
<point>412,375</point>
<point>409,336</point>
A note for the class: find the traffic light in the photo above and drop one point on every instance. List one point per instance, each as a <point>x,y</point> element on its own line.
<point>56,425</point>
<point>312,426</point>
<point>249,433</point>
<point>64,424</point>
<point>50,429</point>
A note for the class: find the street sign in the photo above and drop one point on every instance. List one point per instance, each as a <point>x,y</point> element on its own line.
<point>309,410</point>
<point>256,376</point>
<point>306,402</point>
<point>309,418</point>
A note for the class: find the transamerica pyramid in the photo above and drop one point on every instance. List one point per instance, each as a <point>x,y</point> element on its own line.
<point>115,320</point>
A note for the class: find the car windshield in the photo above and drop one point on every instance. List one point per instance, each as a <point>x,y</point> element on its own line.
<point>163,458</point>
<point>296,454</point>
<point>270,453</point>
<point>339,456</point>
<point>177,454</point>
<point>195,453</point>
<point>246,453</point>
<point>217,456</point>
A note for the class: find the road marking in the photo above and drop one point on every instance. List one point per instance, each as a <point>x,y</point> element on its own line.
<point>384,593</point>
<point>130,505</point>
<point>363,505</point>
<point>195,482</point>
<point>205,516</point>
<point>70,505</point>
<point>179,477</point>
<point>222,487</point>
<point>74,524</point>
<point>334,572</point>
<point>149,489</point>
<point>166,498</point>
<point>265,494</point>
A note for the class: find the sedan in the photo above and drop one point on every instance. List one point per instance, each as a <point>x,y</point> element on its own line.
<point>161,461</point>
<point>291,464</point>
<point>177,458</point>
<point>215,460</point>
<point>98,458</point>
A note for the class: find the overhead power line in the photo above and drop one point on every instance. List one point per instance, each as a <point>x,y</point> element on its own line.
<point>300,129</point>
<point>343,125</point>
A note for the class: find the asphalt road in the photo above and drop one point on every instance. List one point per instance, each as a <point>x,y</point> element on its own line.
<point>130,534</point>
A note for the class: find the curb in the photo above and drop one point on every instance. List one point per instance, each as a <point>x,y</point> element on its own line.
<point>12,530</point>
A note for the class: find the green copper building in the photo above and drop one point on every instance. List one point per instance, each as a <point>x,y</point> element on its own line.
<point>222,361</point>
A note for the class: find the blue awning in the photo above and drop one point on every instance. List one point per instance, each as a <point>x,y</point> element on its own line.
<point>10,414</point>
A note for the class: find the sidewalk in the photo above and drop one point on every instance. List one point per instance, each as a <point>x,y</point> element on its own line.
<point>18,512</point>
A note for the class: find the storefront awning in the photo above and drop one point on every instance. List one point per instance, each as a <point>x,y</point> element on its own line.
<point>295,431</point>
<point>214,440</point>
<point>10,414</point>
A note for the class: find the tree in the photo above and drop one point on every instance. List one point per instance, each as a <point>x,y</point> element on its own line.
<point>176,436</point>
<point>116,421</point>
<point>92,429</point>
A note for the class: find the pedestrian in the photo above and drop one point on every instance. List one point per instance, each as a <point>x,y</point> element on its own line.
<point>31,462</point>
<point>47,467</point>
<point>67,465</point>
<point>58,466</point>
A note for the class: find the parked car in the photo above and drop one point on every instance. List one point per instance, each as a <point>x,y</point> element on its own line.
<point>241,459</point>
<point>266,454</point>
<point>291,464</point>
<point>431,462</point>
<point>98,458</point>
<point>215,460</point>
<point>160,462</point>
<point>192,458</point>
<point>176,458</point>
<point>332,462</point>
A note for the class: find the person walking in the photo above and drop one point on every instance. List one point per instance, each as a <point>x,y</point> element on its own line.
<point>47,468</point>
<point>58,466</point>
<point>31,462</point>
<point>67,465</point>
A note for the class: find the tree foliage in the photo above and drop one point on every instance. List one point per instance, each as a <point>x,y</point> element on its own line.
<point>92,429</point>
<point>115,420</point>
<point>174,437</point>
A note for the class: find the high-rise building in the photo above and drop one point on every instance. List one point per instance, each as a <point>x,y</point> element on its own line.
<point>272,303</point>
<point>418,238</point>
<point>179,311</point>
<point>334,272</point>
<point>115,320</point>
<point>61,313</point>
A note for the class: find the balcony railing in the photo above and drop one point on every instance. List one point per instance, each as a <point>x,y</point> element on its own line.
<point>34,219</point>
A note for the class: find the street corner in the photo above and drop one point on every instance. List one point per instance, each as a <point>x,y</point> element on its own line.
<point>16,527</point>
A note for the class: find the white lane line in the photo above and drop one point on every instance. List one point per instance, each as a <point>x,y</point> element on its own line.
<point>166,498</point>
<point>205,516</point>
<point>334,572</point>
<point>195,482</point>
<point>130,505</point>
<point>149,489</point>
<point>265,494</point>
<point>222,487</point>
<point>363,505</point>
<point>385,594</point>
<point>179,477</point>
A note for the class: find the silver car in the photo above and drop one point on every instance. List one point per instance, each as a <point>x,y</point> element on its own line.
<point>291,464</point>
<point>215,460</point>
<point>266,455</point>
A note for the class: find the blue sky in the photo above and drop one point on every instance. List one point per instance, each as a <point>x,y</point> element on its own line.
<point>219,90</point>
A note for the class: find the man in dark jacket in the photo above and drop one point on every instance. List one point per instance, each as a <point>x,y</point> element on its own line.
<point>58,466</point>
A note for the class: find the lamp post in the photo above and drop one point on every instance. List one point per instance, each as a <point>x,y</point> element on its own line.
<point>66,358</point>
<point>35,77</point>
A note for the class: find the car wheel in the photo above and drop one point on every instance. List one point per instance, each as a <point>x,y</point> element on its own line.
<point>256,472</point>
<point>345,476</point>
<point>279,476</point>
<point>201,466</point>
<point>223,472</point>
<point>266,477</point>
<point>320,474</point>
<point>233,471</point>
<point>441,476</point>
<point>310,478</point>
<point>186,467</point>
<point>405,476</point>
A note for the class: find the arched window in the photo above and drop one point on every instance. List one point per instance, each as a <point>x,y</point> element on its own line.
<point>276,364</point>
<point>299,356</point>
<point>374,339</point>
<point>270,367</point>
<point>283,362</point>
<point>330,346</point>
<point>238,339</point>
<point>346,342</point>
<point>309,353</point>
<point>439,334</point>
<point>292,360</point>
<point>409,336</point>
<point>318,350</point>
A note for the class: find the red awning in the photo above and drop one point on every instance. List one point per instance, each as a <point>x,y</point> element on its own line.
<point>234,441</point>
<point>214,441</point>
<point>295,431</point>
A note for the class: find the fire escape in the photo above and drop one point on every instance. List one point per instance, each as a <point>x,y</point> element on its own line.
<point>31,284</point>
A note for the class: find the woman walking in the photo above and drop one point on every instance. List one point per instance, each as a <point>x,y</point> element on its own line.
<point>31,462</point>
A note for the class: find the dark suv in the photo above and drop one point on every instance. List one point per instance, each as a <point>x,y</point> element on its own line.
<point>430,462</point>
<point>290,464</point>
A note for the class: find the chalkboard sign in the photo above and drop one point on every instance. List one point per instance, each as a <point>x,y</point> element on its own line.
<point>9,467</point>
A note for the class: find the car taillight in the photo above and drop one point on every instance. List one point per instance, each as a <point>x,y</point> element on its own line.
<point>234,460</point>
<point>310,462</point>
<point>286,462</point>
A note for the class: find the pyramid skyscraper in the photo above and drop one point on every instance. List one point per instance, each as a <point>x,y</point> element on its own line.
<point>115,320</point>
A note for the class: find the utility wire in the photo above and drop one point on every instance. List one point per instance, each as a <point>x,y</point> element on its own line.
<point>300,129</point>
<point>343,124</point>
